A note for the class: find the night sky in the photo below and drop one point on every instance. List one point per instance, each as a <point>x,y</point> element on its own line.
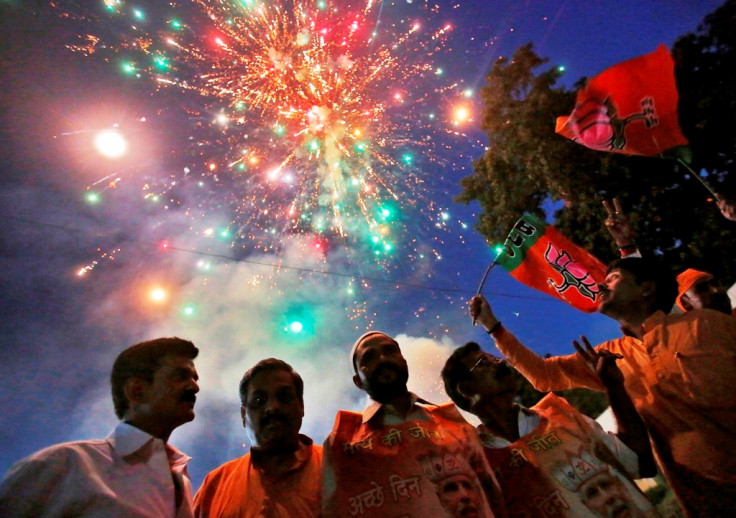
<point>241,288</point>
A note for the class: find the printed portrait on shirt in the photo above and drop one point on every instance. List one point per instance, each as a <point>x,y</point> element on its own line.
<point>600,488</point>
<point>456,482</point>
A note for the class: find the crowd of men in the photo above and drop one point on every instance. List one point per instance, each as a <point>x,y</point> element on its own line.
<point>668,379</point>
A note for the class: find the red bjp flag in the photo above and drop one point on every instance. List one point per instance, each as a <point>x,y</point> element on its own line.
<point>630,108</point>
<point>539,256</point>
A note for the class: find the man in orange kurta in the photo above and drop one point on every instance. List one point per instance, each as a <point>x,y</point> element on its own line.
<point>281,476</point>
<point>403,456</point>
<point>550,459</point>
<point>679,370</point>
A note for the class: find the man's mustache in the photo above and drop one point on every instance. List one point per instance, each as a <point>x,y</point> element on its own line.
<point>274,418</point>
<point>387,367</point>
<point>189,397</point>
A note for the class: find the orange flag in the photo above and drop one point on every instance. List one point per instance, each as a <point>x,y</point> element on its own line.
<point>630,108</point>
<point>539,256</point>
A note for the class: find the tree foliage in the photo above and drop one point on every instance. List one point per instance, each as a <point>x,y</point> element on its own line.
<point>588,402</point>
<point>527,164</point>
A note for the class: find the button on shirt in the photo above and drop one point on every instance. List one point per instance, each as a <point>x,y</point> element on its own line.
<point>130,474</point>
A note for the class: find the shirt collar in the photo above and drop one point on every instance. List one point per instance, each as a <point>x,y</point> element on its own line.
<point>126,440</point>
<point>528,420</point>
<point>653,320</point>
<point>374,407</point>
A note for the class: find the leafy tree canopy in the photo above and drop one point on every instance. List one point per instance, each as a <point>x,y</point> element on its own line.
<point>527,164</point>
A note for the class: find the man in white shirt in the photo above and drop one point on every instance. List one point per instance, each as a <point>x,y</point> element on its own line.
<point>133,473</point>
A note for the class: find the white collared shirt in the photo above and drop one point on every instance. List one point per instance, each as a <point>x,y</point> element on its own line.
<point>128,474</point>
<point>389,415</point>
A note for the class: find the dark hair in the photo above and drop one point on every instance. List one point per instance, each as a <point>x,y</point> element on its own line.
<point>648,269</point>
<point>141,361</point>
<point>270,364</point>
<point>455,372</point>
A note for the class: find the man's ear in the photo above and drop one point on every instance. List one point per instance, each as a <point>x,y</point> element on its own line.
<point>464,390</point>
<point>243,415</point>
<point>648,288</point>
<point>686,304</point>
<point>136,391</point>
<point>358,382</point>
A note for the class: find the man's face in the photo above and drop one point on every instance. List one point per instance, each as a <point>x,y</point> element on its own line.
<point>172,393</point>
<point>707,294</point>
<point>460,496</point>
<point>618,291</point>
<point>489,376</point>
<point>273,410</point>
<point>382,370</point>
<point>606,496</point>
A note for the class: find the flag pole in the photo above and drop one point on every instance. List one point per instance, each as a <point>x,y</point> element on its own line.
<point>701,180</point>
<point>483,280</point>
<point>485,276</point>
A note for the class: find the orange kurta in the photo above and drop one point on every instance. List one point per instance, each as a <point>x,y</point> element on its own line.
<point>563,468</point>
<point>238,489</point>
<point>682,379</point>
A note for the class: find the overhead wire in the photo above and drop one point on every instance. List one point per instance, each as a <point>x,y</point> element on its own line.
<point>228,258</point>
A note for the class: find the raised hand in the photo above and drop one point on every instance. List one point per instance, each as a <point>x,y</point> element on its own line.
<point>727,208</point>
<point>602,362</point>
<point>618,224</point>
<point>481,312</point>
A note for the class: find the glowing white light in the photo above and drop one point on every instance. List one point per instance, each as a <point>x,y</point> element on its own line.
<point>158,295</point>
<point>296,327</point>
<point>111,143</point>
<point>461,114</point>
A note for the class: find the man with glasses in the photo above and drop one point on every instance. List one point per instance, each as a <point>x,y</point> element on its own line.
<point>281,476</point>
<point>551,459</point>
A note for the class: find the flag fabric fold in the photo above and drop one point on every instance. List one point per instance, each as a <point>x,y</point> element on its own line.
<point>539,256</point>
<point>630,108</point>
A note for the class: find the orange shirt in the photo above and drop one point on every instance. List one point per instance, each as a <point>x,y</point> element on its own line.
<point>682,379</point>
<point>238,489</point>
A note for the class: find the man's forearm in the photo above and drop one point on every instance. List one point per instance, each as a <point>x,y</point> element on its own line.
<point>545,374</point>
<point>631,428</point>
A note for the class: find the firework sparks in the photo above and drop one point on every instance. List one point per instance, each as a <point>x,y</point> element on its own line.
<point>315,115</point>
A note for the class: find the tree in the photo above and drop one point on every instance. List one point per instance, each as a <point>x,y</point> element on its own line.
<point>589,402</point>
<point>706,80</point>
<point>527,163</point>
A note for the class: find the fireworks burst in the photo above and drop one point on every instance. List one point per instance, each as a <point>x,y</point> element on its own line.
<point>313,117</point>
